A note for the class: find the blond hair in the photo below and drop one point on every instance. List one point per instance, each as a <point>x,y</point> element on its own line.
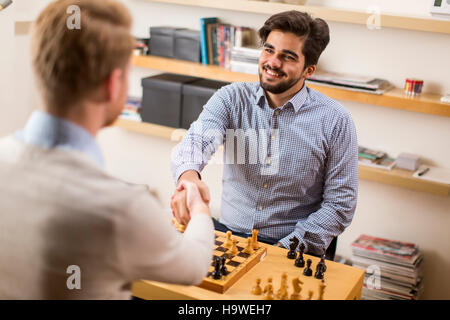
<point>70,63</point>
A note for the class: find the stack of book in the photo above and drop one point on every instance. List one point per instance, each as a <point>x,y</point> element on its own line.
<point>218,40</point>
<point>131,110</point>
<point>374,158</point>
<point>351,82</point>
<point>393,268</point>
<point>245,59</point>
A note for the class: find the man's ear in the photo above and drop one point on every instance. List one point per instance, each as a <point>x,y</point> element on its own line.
<point>310,71</point>
<point>114,84</point>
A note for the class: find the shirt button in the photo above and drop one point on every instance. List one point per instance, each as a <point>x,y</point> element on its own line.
<point>260,208</point>
<point>268,161</point>
<point>276,112</point>
<point>265,186</point>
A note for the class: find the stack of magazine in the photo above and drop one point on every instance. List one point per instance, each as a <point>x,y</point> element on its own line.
<point>245,59</point>
<point>351,82</point>
<point>375,158</point>
<point>393,268</point>
<point>132,109</point>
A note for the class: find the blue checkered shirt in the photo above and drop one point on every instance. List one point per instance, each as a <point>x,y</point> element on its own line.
<point>289,171</point>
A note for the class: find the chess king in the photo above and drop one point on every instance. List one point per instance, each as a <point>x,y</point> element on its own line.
<point>304,180</point>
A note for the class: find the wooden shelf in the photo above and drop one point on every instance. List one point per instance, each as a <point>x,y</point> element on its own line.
<point>417,23</point>
<point>151,129</point>
<point>396,177</point>
<point>425,103</point>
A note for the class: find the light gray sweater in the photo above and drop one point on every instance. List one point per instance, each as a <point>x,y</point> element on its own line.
<point>58,209</point>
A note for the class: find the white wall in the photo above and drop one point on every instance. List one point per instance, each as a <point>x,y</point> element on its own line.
<point>383,210</point>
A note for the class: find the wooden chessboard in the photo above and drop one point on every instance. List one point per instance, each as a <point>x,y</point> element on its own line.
<point>237,266</point>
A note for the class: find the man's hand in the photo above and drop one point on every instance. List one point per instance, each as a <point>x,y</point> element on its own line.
<point>180,203</point>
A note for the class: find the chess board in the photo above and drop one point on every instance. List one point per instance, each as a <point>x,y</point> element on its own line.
<point>237,265</point>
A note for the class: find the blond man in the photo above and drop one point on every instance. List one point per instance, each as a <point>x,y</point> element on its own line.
<point>68,229</point>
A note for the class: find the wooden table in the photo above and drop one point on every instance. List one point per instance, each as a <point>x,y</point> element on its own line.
<point>343,282</point>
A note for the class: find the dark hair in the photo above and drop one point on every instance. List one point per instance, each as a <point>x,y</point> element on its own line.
<point>315,32</point>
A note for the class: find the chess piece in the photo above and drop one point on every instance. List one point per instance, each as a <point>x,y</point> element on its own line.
<point>233,250</point>
<point>268,290</point>
<point>255,243</point>
<point>310,294</point>
<point>180,227</point>
<point>269,284</point>
<point>257,290</point>
<point>308,271</point>
<point>296,284</point>
<point>319,270</point>
<point>216,274</point>
<point>292,247</point>
<point>300,262</point>
<point>223,268</point>
<point>322,261</point>
<point>228,243</point>
<point>249,249</point>
<point>282,293</point>
<point>322,286</point>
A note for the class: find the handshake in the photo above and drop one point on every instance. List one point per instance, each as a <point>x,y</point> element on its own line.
<point>190,198</point>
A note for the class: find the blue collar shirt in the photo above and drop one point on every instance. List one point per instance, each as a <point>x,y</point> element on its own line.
<point>47,131</point>
<point>288,171</point>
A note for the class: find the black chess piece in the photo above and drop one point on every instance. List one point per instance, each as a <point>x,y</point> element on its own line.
<point>322,261</point>
<point>216,274</point>
<point>300,262</point>
<point>292,247</point>
<point>308,271</point>
<point>223,268</point>
<point>319,270</point>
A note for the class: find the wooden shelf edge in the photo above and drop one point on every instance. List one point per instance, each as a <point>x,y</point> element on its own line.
<point>416,23</point>
<point>425,103</point>
<point>151,129</point>
<point>404,179</point>
<point>396,177</point>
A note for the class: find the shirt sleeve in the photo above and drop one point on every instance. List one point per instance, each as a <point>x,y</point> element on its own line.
<point>204,136</point>
<point>149,247</point>
<point>339,195</point>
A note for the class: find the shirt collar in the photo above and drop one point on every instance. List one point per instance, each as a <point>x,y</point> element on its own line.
<point>47,131</point>
<point>296,101</point>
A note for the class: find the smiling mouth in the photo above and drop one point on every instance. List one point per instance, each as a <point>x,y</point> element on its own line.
<point>273,73</point>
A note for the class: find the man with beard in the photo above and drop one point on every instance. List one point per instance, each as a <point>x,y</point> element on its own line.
<point>299,175</point>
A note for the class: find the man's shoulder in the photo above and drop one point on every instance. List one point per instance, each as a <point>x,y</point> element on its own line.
<point>10,148</point>
<point>77,171</point>
<point>319,99</point>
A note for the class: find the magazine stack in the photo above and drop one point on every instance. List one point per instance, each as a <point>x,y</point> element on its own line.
<point>393,268</point>
<point>375,158</point>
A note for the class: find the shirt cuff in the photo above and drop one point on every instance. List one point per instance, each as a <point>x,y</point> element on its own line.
<point>201,228</point>
<point>299,235</point>
<point>183,168</point>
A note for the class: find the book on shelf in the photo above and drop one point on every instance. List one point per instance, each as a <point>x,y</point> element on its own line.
<point>219,39</point>
<point>350,82</point>
<point>369,153</point>
<point>385,163</point>
<point>211,41</point>
<point>131,109</point>
<point>245,59</point>
<point>203,32</point>
<point>375,158</point>
<point>244,67</point>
